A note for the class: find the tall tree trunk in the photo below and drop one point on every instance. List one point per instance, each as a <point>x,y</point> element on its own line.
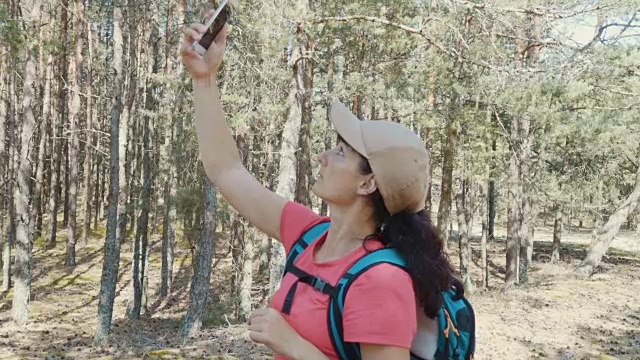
<point>46,111</point>
<point>516,197</point>
<point>492,195</point>
<point>464,245</point>
<point>42,133</point>
<point>169,219</point>
<point>525,189</point>
<point>286,183</point>
<point>303,73</point>
<point>329,98</point>
<point>533,217</point>
<point>58,120</point>
<point>111,261</point>
<point>429,145</point>
<point>4,163</point>
<point>444,209</point>
<point>98,204</point>
<point>76,78</point>
<point>22,196</point>
<point>557,233</point>
<point>170,187</point>
<point>483,239</point>
<point>127,123</point>
<point>141,242</point>
<point>610,229</point>
<point>12,163</point>
<point>123,192</point>
<point>199,290</point>
<point>246,275</point>
<point>90,138</point>
<point>514,210</point>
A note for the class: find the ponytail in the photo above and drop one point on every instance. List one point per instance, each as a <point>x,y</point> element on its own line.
<point>417,240</point>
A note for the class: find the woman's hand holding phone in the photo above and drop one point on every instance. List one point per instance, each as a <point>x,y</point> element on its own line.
<point>203,66</point>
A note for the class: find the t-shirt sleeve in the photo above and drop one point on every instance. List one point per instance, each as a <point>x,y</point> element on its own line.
<point>295,220</point>
<point>380,308</point>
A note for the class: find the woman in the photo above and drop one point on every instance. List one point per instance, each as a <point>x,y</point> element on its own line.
<point>374,182</point>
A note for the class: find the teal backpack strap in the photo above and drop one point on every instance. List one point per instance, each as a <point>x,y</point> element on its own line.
<point>307,238</point>
<point>345,350</point>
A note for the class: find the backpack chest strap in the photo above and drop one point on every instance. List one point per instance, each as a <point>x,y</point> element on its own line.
<point>303,277</point>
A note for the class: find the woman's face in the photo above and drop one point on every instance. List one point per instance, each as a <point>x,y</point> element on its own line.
<point>339,179</point>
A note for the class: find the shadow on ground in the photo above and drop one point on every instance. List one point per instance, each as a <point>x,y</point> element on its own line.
<point>570,252</point>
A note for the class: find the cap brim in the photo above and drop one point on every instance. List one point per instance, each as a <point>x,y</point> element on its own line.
<point>348,127</point>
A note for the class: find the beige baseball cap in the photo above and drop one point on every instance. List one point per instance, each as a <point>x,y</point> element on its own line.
<point>398,158</point>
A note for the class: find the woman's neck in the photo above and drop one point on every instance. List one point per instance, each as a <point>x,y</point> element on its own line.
<point>349,227</point>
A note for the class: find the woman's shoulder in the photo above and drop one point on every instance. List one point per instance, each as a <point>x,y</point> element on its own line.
<point>383,279</point>
<point>380,307</point>
<point>296,219</point>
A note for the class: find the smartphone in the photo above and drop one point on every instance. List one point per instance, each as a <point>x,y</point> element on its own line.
<point>214,25</point>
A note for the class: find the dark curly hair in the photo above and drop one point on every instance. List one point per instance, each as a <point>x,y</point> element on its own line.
<point>418,241</point>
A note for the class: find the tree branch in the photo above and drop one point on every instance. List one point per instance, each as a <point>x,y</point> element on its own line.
<point>418,31</point>
<point>374,19</point>
<point>539,11</point>
<point>630,107</point>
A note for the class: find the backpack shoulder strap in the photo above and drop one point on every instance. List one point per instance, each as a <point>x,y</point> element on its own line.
<point>307,238</point>
<point>347,351</point>
<point>303,242</point>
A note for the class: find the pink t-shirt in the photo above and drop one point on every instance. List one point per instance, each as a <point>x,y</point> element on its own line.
<point>380,306</point>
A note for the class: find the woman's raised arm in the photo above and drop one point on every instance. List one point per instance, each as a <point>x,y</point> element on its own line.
<point>218,150</point>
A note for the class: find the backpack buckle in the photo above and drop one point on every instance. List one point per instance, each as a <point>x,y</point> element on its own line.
<point>319,284</point>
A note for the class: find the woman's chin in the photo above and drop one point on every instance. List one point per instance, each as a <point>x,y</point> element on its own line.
<point>315,190</point>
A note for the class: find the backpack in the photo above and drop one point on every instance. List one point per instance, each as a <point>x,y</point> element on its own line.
<point>456,318</point>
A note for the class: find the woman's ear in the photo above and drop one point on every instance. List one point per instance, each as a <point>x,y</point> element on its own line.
<point>368,186</point>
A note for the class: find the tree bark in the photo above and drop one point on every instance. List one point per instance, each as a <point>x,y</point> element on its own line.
<point>246,275</point>
<point>43,128</point>
<point>464,245</point>
<point>606,233</point>
<point>483,240</point>
<point>58,120</point>
<point>90,138</point>
<point>4,168</point>
<point>199,290</point>
<point>557,234</point>
<point>141,238</point>
<point>303,73</point>
<point>12,163</point>
<point>328,100</point>
<point>123,192</point>
<point>74,143</point>
<point>171,159</point>
<point>444,209</point>
<point>525,139</point>
<point>22,195</point>
<point>533,217</point>
<point>427,134</point>
<point>286,183</point>
<point>46,111</point>
<point>111,261</point>
<point>126,125</point>
<point>492,195</point>
<point>513,212</point>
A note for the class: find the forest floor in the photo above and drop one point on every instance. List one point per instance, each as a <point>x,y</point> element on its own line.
<point>556,316</point>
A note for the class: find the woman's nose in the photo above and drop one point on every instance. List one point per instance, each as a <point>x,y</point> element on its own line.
<point>322,158</point>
